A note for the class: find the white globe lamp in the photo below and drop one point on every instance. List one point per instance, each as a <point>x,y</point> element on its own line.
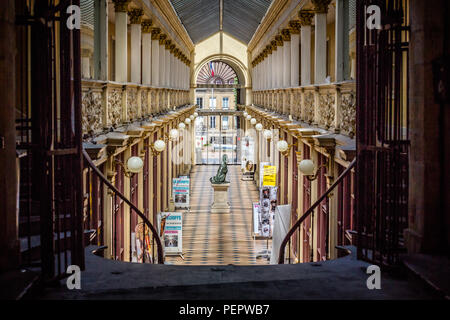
<point>306,167</point>
<point>248,117</point>
<point>267,134</point>
<point>187,120</point>
<point>282,146</point>
<point>253,121</point>
<point>159,145</point>
<point>135,164</point>
<point>181,126</point>
<point>259,126</point>
<point>173,134</point>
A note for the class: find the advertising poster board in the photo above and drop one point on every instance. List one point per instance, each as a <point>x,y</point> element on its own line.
<point>280,229</point>
<point>170,230</point>
<point>256,219</point>
<point>268,204</point>
<point>180,190</point>
<point>269,176</point>
<point>261,172</point>
<point>139,241</point>
<point>248,158</point>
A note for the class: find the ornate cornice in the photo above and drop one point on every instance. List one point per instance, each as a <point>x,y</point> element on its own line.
<point>121,5</point>
<point>294,26</point>
<point>135,15</point>
<point>321,6</point>
<point>286,34</point>
<point>146,25</point>
<point>305,17</point>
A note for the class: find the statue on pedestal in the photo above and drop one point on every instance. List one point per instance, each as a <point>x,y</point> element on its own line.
<point>219,178</point>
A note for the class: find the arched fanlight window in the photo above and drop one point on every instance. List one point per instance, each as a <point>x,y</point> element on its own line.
<point>216,72</point>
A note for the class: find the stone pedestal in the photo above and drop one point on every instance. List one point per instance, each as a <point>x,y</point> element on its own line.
<point>220,204</point>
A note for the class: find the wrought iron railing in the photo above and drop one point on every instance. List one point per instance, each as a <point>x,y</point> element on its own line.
<point>304,229</point>
<point>150,238</point>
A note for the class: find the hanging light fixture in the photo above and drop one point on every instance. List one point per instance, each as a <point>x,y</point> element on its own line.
<point>195,114</point>
<point>282,146</point>
<point>248,117</point>
<point>181,126</point>
<point>173,134</point>
<point>253,121</point>
<point>259,126</point>
<point>308,168</point>
<point>187,120</point>
<point>245,114</point>
<point>157,147</point>
<point>135,164</point>
<point>192,117</point>
<point>267,134</point>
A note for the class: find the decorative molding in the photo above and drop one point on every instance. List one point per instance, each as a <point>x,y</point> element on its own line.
<point>305,17</point>
<point>155,33</point>
<point>146,25</point>
<point>286,34</point>
<point>162,38</point>
<point>121,5</point>
<point>294,26</point>
<point>321,6</point>
<point>135,15</point>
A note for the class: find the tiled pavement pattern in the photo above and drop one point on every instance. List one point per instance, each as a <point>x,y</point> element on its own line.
<point>219,239</point>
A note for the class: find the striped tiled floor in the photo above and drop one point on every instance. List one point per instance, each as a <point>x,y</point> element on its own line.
<point>219,239</point>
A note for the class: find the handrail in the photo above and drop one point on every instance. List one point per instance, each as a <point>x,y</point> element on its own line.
<point>311,210</point>
<point>128,202</point>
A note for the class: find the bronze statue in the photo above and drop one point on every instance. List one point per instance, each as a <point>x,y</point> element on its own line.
<point>219,178</point>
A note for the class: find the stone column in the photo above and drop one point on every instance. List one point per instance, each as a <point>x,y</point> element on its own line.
<point>305,38</point>
<point>320,40</point>
<point>101,40</point>
<point>173,67</point>
<point>146,51</point>
<point>341,41</point>
<point>155,56</point>
<point>279,61</point>
<point>295,52</point>
<point>273,65</point>
<point>136,38</point>
<point>121,49</point>
<point>162,60</point>
<point>286,58</point>
<point>167,63</point>
<point>86,55</point>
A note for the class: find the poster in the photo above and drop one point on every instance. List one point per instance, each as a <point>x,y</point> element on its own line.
<point>261,171</point>
<point>268,204</point>
<point>256,219</point>
<point>269,176</point>
<point>170,229</point>
<point>138,241</point>
<point>180,189</point>
<point>248,161</point>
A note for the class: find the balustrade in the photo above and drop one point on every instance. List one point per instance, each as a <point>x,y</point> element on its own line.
<point>329,106</point>
<point>108,104</point>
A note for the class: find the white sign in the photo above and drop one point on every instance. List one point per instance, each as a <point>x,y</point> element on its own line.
<point>280,230</point>
<point>256,219</point>
<point>170,228</point>
<point>180,191</point>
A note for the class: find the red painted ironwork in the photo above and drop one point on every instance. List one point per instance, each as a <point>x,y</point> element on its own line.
<point>382,132</point>
<point>286,244</point>
<point>49,129</point>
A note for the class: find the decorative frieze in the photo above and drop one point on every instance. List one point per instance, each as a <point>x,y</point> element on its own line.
<point>326,109</point>
<point>348,111</point>
<point>92,111</point>
<point>114,106</point>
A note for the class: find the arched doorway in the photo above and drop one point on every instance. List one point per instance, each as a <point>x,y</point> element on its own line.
<point>217,128</point>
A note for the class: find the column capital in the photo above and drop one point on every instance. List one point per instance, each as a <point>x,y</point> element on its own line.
<point>172,48</point>
<point>294,26</point>
<point>305,17</point>
<point>321,6</point>
<point>135,15</point>
<point>167,44</point>
<point>279,40</point>
<point>121,5</point>
<point>273,44</point>
<point>286,34</point>
<point>162,39</point>
<point>146,25</point>
<point>155,33</point>
<point>268,49</point>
